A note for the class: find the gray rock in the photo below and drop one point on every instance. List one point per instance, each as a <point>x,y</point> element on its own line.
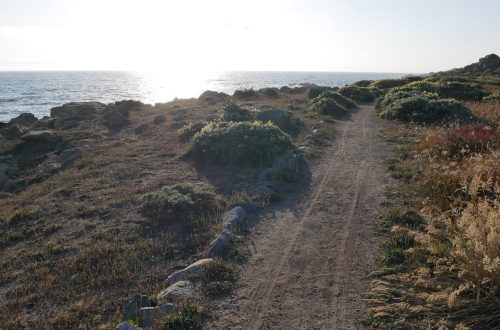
<point>65,123</point>
<point>4,195</point>
<point>234,218</point>
<point>44,123</point>
<point>141,129</point>
<point>126,326</point>
<point>249,207</point>
<point>11,132</point>
<point>217,246</point>
<point>147,315</point>
<point>181,290</point>
<point>45,135</point>
<point>115,119</point>
<point>159,119</point>
<point>264,190</point>
<point>25,119</point>
<point>69,155</point>
<point>78,110</point>
<point>132,305</point>
<point>192,271</point>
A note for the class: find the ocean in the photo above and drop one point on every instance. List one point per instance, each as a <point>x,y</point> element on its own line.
<point>38,92</point>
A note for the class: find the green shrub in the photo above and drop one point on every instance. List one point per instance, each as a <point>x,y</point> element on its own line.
<point>388,83</point>
<point>495,97</point>
<point>285,120</point>
<point>240,143</point>
<point>420,108</point>
<point>329,103</point>
<point>394,217</point>
<point>219,277</point>
<point>447,89</point>
<point>245,94</point>
<point>180,202</point>
<point>363,83</point>
<point>358,94</point>
<point>234,112</point>
<point>189,130</point>
<point>188,317</point>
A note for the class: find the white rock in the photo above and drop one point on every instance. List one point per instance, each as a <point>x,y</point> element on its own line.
<point>192,271</point>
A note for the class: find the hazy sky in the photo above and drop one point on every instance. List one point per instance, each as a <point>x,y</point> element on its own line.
<point>300,35</point>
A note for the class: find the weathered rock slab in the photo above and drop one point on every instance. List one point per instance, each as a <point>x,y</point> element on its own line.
<point>181,290</point>
<point>192,271</point>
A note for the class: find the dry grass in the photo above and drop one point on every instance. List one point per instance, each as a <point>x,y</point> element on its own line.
<point>487,111</point>
<point>74,244</point>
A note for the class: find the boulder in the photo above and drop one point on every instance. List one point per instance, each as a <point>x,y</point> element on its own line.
<point>132,305</point>
<point>44,123</point>
<point>45,135</point>
<point>217,246</point>
<point>142,128</point>
<point>69,155</point>
<point>272,93</point>
<point>147,315</point>
<point>25,119</point>
<point>159,119</point>
<point>65,123</point>
<point>78,110</point>
<point>179,291</point>
<point>11,132</point>
<point>265,191</point>
<point>192,271</point>
<point>126,326</point>
<point>115,119</point>
<point>234,218</point>
<point>249,207</point>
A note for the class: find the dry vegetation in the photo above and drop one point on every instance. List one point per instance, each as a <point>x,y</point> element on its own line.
<point>74,244</point>
<point>441,262</point>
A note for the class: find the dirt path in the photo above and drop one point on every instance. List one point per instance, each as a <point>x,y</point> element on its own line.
<point>311,256</point>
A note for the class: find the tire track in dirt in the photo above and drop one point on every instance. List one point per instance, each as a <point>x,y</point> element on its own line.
<point>312,252</point>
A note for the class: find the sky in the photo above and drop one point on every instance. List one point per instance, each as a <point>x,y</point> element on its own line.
<point>256,35</point>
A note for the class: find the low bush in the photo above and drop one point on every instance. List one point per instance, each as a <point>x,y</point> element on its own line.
<point>398,217</point>
<point>447,89</point>
<point>493,98</point>
<point>420,108</point>
<point>219,277</point>
<point>285,120</point>
<point>234,112</point>
<point>189,130</point>
<point>240,143</point>
<point>358,94</point>
<point>212,97</point>
<point>188,317</point>
<point>330,103</point>
<point>363,83</point>
<point>386,84</point>
<point>181,202</point>
<point>461,142</point>
<point>245,94</point>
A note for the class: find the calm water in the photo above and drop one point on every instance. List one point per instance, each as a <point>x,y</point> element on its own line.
<point>37,92</point>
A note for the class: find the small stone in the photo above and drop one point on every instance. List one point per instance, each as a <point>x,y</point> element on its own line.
<point>159,119</point>
<point>179,291</point>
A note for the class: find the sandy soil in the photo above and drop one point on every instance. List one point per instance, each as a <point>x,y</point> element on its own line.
<point>312,253</point>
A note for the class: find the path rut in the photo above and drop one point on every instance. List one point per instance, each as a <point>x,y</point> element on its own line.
<point>312,254</point>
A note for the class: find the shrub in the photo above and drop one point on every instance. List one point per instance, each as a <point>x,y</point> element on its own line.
<point>285,120</point>
<point>188,317</point>
<point>358,94</point>
<point>420,108</point>
<point>234,112</point>
<point>388,83</point>
<point>218,278</point>
<point>212,97</point>
<point>272,93</point>
<point>363,83</point>
<point>180,202</point>
<point>245,94</point>
<point>475,251</point>
<point>189,130</point>
<point>462,142</point>
<point>240,143</point>
<point>493,98</point>
<point>393,217</point>
<point>331,104</point>
<point>447,89</point>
